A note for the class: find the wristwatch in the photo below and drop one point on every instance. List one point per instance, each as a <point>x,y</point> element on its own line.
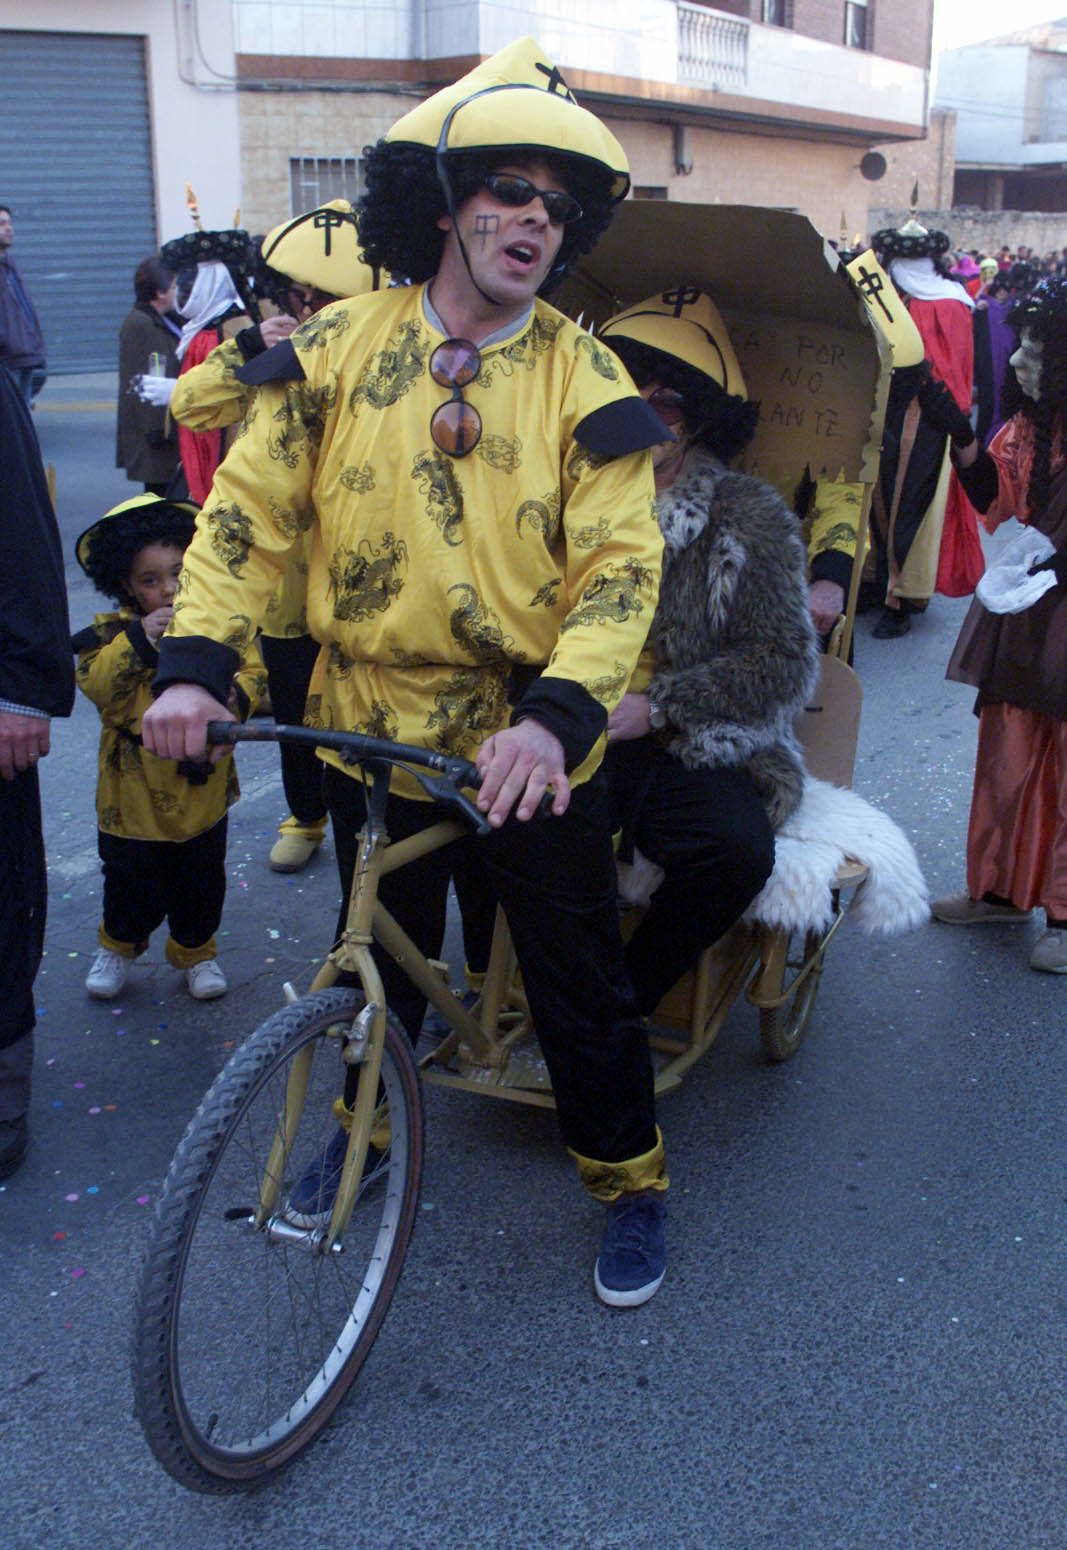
<point>657,716</point>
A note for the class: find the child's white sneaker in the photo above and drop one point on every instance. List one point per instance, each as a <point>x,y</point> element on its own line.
<point>205,980</point>
<point>107,975</point>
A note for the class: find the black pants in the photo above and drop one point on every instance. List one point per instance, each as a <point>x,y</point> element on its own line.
<point>555,878</point>
<point>23,900</point>
<point>289,665</point>
<point>149,881</point>
<point>709,831</point>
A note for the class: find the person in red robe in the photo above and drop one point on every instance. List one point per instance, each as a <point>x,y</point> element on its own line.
<point>925,534</point>
<point>1013,645</point>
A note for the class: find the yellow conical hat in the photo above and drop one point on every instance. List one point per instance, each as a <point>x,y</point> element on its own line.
<point>321,248</point>
<point>515,98</point>
<point>886,309</point>
<point>686,324</point>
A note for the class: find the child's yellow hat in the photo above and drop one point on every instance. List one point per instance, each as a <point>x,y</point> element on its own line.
<point>144,502</point>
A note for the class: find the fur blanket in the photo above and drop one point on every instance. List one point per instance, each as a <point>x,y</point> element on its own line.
<point>830,826</point>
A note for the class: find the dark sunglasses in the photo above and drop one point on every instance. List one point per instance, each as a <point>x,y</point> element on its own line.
<point>510,189</point>
<point>456,426</point>
<point>669,405</point>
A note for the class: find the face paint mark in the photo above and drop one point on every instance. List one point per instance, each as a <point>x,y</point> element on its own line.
<point>486,226</point>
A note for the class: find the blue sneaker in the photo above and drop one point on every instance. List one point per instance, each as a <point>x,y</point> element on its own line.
<point>311,1199</point>
<point>633,1253</point>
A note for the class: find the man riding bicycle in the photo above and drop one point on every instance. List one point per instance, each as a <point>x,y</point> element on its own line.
<point>485,558</point>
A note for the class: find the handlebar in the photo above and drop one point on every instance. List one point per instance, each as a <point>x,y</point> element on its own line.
<point>358,748</point>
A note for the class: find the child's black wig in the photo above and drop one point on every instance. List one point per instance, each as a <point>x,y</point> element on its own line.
<point>117,541</point>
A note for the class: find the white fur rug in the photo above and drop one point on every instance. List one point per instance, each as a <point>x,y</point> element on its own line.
<point>830,826</point>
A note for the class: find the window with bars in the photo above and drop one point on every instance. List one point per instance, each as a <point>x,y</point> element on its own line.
<point>776,13</point>
<point>856,24</point>
<point>313,180</point>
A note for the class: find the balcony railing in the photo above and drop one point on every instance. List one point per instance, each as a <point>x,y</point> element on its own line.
<point>712,47</point>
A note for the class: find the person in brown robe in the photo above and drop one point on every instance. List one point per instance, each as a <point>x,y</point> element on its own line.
<point>1017,833</point>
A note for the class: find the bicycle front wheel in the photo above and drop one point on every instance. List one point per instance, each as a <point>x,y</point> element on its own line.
<point>247,1337</point>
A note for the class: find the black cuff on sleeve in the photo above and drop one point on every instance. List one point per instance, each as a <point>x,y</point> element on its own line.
<point>196,660</point>
<point>980,481</point>
<point>243,705</point>
<point>250,342</point>
<point>627,425</point>
<point>141,644</point>
<point>84,640</point>
<point>832,565</point>
<point>278,364</point>
<point>567,710</point>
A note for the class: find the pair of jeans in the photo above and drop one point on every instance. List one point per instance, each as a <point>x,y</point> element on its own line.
<point>555,878</point>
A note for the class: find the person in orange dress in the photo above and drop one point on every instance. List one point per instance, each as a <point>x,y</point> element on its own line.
<point>1014,651</point>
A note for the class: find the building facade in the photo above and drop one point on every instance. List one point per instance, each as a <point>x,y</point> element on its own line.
<point>1010,99</point>
<point>263,107</point>
<point>754,101</point>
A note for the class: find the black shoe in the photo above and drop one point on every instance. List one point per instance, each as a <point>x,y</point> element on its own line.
<point>892,624</point>
<point>14,1141</point>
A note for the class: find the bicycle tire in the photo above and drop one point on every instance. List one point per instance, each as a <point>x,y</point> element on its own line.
<point>202,1282</point>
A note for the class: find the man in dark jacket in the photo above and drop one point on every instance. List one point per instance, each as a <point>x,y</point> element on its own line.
<point>21,340</point>
<point>36,682</point>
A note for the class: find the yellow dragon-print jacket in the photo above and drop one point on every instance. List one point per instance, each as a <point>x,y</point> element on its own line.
<point>210,397</point>
<point>441,589</point>
<point>137,795</point>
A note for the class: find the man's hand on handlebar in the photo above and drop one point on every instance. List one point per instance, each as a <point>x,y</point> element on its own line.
<point>175,727</point>
<point>517,765</point>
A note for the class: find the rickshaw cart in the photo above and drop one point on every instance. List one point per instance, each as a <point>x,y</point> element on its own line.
<point>815,358</point>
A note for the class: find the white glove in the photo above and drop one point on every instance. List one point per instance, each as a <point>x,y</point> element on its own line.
<point>154,390</point>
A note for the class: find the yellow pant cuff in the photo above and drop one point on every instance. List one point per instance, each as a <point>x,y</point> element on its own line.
<point>381,1135</point>
<point>124,949</point>
<point>608,1180</point>
<point>309,831</point>
<point>184,957</point>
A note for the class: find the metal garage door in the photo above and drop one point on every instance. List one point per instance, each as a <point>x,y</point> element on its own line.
<point>76,170</point>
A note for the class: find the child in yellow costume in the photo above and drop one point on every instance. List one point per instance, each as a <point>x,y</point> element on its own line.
<point>162,826</point>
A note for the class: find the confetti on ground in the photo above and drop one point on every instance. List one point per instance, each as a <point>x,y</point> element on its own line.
<point>143,1200</point>
<point>70,1197</point>
<point>94,1189</point>
<point>274,935</point>
<point>95,1110</point>
<point>153,1041</point>
<point>79,1085</point>
<point>59,1236</point>
<point>57,1103</point>
<point>72,955</point>
<point>77,1273</point>
<point>111,1107</point>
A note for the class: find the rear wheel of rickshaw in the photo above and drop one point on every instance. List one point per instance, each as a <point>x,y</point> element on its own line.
<point>247,1337</point>
<point>782,1027</point>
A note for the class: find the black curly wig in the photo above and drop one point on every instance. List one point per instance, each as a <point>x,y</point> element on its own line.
<point>1043,314</point>
<point>117,541</point>
<point>722,422</point>
<point>398,214</point>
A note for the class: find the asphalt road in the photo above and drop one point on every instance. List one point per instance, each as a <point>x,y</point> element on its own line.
<point>860,1341</point>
